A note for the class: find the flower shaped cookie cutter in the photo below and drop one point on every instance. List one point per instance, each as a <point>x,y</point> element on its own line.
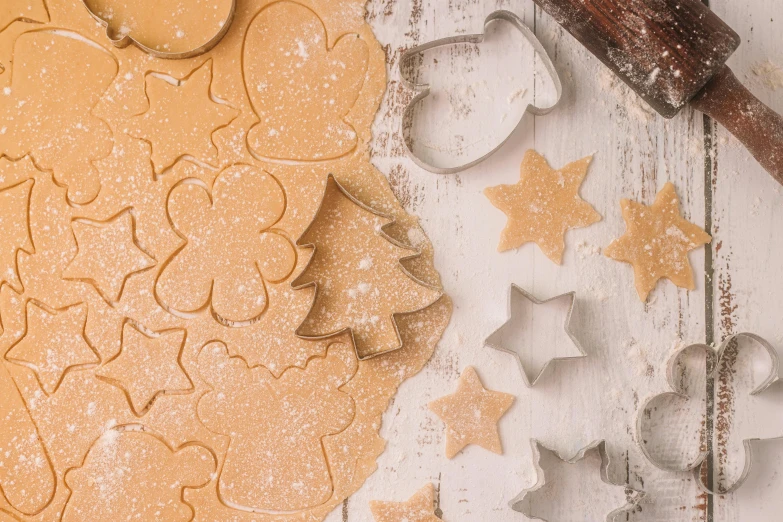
<point>422,90</point>
<point>722,365</point>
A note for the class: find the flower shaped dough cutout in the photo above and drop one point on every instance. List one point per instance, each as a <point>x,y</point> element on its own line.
<point>229,251</point>
<point>164,28</point>
<point>743,367</point>
<point>410,67</point>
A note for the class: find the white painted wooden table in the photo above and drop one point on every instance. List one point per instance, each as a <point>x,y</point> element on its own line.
<point>739,276</point>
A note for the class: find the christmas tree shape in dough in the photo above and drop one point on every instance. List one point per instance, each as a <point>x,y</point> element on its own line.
<point>543,205</point>
<point>107,254</point>
<point>300,89</point>
<point>229,251</point>
<point>657,241</point>
<point>275,459</point>
<point>28,488</point>
<point>367,284</point>
<point>147,366</point>
<point>471,414</point>
<point>131,473</point>
<point>181,118</point>
<point>167,28</point>
<point>54,344</point>
<point>419,508</point>
<point>59,130</point>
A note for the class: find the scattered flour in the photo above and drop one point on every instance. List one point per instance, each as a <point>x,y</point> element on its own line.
<point>770,74</point>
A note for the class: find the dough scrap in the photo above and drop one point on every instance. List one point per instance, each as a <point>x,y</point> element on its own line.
<point>543,205</point>
<point>84,408</point>
<point>657,241</point>
<point>166,28</point>
<point>471,414</point>
<point>419,508</point>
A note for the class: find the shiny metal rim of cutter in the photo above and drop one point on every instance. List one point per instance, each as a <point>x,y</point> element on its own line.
<point>423,90</point>
<point>493,341</point>
<point>331,179</point>
<point>522,505</point>
<point>679,391</point>
<point>126,40</point>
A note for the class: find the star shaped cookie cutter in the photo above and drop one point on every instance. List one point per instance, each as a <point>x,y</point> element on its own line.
<point>496,339</point>
<point>523,503</point>
<point>680,390</point>
<point>422,90</point>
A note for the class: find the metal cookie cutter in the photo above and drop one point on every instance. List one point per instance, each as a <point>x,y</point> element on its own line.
<point>407,74</point>
<point>333,184</point>
<point>124,40</point>
<point>679,388</point>
<point>496,339</point>
<point>525,501</point>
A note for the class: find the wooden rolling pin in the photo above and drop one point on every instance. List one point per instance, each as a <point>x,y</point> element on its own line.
<point>671,52</point>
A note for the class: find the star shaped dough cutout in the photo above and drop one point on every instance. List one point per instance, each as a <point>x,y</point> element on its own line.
<point>181,118</point>
<point>471,414</point>
<point>147,366</point>
<point>54,344</point>
<point>107,255</point>
<point>419,508</point>
<point>543,205</point>
<point>657,241</point>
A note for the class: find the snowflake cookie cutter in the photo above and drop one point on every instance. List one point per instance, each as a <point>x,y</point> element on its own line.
<point>679,390</point>
<point>422,90</point>
<point>331,181</point>
<point>496,338</point>
<point>122,39</point>
<point>524,502</point>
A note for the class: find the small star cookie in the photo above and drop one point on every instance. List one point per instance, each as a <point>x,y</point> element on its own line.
<point>471,414</point>
<point>657,241</point>
<point>543,205</point>
<point>419,508</point>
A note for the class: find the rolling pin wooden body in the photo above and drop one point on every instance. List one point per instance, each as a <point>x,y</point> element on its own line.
<point>671,52</point>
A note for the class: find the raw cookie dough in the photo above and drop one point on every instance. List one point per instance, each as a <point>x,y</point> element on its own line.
<point>471,414</point>
<point>419,508</point>
<point>657,241</point>
<point>92,326</point>
<point>543,205</point>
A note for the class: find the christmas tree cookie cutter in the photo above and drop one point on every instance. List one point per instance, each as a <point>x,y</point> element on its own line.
<point>109,15</point>
<point>297,284</point>
<point>422,90</point>
<point>524,502</point>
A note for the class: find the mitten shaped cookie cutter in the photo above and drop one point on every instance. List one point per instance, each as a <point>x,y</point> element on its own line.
<point>679,390</point>
<point>495,340</point>
<point>422,90</point>
<point>123,40</point>
<point>522,503</point>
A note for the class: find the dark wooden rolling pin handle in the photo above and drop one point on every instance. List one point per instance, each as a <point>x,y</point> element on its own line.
<point>757,126</point>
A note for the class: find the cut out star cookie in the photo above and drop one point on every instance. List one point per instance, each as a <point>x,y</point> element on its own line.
<point>181,118</point>
<point>15,227</point>
<point>543,205</point>
<point>147,366</point>
<point>54,343</point>
<point>107,255</point>
<point>471,414</point>
<point>419,508</point>
<point>657,241</point>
